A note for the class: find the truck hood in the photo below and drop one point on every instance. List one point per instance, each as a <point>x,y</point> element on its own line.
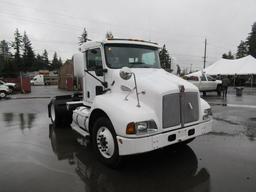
<point>10,84</point>
<point>156,81</point>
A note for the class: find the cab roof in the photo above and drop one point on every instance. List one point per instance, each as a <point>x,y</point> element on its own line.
<point>91,44</point>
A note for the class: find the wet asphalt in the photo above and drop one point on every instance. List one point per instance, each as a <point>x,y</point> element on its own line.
<point>36,156</point>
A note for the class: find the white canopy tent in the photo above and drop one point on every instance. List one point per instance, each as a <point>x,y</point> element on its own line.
<point>242,66</point>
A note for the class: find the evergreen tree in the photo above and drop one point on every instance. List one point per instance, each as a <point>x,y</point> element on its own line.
<point>17,48</point>
<point>6,57</point>
<point>251,41</point>
<point>55,62</point>
<point>60,62</point>
<point>28,54</point>
<point>165,59</point>
<point>83,38</point>
<point>242,50</point>
<point>45,60</point>
<point>178,70</point>
<point>40,64</point>
<point>109,35</point>
<point>228,56</point>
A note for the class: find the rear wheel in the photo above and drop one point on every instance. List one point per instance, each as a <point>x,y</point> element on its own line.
<point>53,113</point>
<point>105,143</point>
<point>3,94</point>
<point>58,113</point>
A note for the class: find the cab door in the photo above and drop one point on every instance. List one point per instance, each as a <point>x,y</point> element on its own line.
<point>212,85</point>
<point>203,83</point>
<point>93,61</point>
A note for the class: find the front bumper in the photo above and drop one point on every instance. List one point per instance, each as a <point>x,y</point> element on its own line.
<point>128,146</point>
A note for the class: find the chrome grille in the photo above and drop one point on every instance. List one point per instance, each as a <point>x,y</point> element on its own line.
<point>180,108</point>
<point>189,107</point>
<point>171,110</point>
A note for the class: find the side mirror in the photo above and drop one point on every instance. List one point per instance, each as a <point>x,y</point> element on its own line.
<point>125,73</point>
<point>99,71</point>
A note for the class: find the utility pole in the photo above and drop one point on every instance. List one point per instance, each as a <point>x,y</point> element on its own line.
<point>205,44</point>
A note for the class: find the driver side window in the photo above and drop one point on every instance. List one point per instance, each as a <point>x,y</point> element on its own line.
<point>94,59</point>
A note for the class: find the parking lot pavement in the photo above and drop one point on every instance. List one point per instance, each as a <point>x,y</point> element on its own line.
<point>41,92</point>
<point>232,100</point>
<point>36,156</point>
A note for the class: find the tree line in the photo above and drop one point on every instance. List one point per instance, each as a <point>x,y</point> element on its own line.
<point>19,56</point>
<point>246,47</point>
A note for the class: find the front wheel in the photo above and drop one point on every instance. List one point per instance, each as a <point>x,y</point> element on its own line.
<point>3,94</point>
<point>105,143</point>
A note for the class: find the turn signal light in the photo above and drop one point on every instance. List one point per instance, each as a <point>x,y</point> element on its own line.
<point>130,129</point>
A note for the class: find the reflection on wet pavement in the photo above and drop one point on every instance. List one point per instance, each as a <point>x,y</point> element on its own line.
<point>25,119</point>
<point>172,169</point>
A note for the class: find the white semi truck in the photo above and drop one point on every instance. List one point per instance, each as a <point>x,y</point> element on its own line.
<point>130,105</point>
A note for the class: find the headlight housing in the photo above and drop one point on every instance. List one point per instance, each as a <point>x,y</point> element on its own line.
<point>141,128</point>
<point>207,114</point>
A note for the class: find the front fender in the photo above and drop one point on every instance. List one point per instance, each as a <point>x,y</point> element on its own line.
<point>122,112</point>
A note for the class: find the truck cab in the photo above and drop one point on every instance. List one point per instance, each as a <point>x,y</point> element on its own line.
<point>129,105</point>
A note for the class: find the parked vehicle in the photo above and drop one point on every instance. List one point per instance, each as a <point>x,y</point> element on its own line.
<point>37,80</point>
<point>11,86</point>
<point>44,80</point>
<point>204,82</point>
<point>4,91</point>
<point>130,105</point>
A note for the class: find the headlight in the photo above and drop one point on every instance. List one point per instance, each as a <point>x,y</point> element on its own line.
<point>207,114</point>
<point>143,127</point>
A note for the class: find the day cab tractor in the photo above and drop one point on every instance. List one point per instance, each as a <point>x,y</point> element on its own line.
<point>129,105</point>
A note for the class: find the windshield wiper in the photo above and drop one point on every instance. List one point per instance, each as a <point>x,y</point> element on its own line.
<point>136,63</point>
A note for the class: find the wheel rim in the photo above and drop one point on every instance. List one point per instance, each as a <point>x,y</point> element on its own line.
<point>2,94</point>
<point>52,112</point>
<point>105,142</point>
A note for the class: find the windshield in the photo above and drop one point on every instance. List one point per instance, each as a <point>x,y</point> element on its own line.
<point>210,78</point>
<point>133,56</point>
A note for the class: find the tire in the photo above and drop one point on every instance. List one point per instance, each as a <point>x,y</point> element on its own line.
<point>3,94</point>
<point>219,90</point>
<point>104,142</point>
<point>53,114</point>
<point>58,113</point>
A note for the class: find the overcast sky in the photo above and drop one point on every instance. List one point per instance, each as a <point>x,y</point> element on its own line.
<point>180,24</point>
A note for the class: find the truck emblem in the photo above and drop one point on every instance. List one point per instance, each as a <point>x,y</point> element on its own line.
<point>190,106</point>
